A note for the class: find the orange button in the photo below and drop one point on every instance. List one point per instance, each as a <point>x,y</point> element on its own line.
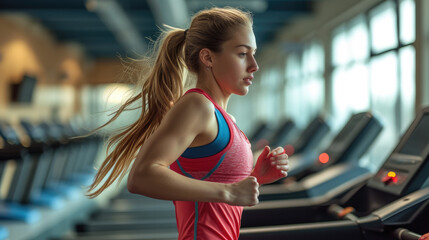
<point>345,211</point>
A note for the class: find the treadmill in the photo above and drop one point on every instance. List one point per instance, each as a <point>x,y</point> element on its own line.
<point>309,138</point>
<point>35,193</point>
<point>396,196</point>
<point>314,177</point>
<point>60,154</point>
<point>81,152</point>
<point>130,213</point>
<point>28,202</point>
<point>4,233</point>
<point>350,143</point>
<point>305,141</point>
<point>282,134</point>
<point>261,130</point>
<point>12,207</point>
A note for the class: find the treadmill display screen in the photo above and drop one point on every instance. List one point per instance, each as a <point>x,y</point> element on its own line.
<point>418,142</point>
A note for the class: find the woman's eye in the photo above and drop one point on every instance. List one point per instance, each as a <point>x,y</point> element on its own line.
<point>242,54</point>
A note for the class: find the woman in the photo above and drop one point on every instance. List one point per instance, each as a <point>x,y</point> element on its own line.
<point>187,148</point>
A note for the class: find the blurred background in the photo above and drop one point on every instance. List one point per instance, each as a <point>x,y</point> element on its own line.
<point>60,61</point>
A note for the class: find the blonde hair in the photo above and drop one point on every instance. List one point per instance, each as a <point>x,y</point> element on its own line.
<point>178,50</point>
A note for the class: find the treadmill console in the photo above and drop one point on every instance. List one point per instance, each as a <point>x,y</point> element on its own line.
<point>52,131</point>
<point>9,134</point>
<point>353,140</point>
<point>315,131</point>
<point>406,169</point>
<point>260,131</point>
<point>35,132</point>
<point>282,133</point>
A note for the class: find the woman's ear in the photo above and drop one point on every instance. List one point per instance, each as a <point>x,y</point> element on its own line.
<point>206,57</point>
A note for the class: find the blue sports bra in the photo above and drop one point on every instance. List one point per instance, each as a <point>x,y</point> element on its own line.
<point>217,145</point>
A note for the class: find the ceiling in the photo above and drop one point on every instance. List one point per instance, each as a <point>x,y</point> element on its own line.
<point>108,28</point>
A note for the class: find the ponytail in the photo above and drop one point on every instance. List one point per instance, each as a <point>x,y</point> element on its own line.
<point>161,88</point>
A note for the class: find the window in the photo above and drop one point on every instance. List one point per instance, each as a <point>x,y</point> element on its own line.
<point>383,27</point>
<point>384,93</point>
<point>407,22</point>
<point>350,76</point>
<point>304,88</point>
<point>407,86</point>
<point>373,69</point>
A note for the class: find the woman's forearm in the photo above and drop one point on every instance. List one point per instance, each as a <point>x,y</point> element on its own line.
<point>158,181</point>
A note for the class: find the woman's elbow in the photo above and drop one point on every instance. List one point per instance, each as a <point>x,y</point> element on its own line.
<point>135,182</point>
<point>142,180</point>
<point>131,186</point>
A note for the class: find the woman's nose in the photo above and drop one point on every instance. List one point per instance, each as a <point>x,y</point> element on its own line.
<point>253,66</point>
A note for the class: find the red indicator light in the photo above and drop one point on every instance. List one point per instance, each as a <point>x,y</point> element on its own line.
<point>289,150</point>
<point>324,158</point>
<point>390,177</point>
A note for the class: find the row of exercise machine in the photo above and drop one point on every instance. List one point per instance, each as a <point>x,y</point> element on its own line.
<point>43,168</point>
<point>386,205</point>
<point>327,194</point>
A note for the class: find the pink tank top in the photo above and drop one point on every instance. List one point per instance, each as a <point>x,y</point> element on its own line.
<point>211,220</point>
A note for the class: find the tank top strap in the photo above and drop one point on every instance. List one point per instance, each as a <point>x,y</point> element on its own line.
<point>198,90</point>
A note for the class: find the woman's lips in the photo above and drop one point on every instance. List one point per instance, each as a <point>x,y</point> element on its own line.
<point>248,81</point>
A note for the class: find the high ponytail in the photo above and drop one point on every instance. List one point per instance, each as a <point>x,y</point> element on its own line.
<point>161,88</point>
<point>177,52</point>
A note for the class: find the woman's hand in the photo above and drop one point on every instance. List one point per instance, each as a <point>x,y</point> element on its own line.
<point>271,165</point>
<point>244,193</point>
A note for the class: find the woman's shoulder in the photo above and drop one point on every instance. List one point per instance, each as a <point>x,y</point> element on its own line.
<point>192,112</point>
<point>195,105</point>
<point>196,101</point>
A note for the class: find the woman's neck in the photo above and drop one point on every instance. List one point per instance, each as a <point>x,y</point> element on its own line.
<point>212,88</point>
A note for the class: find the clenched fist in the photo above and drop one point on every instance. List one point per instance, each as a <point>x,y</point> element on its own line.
<point>244,193</point>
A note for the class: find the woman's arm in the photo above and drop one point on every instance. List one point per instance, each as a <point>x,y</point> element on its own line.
<point>150,175</point>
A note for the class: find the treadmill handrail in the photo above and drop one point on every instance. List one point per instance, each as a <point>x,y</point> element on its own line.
<point>405,234</point>
<point>387,212</point>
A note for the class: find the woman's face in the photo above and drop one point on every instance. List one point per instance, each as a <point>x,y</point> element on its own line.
<point>234,66</point>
